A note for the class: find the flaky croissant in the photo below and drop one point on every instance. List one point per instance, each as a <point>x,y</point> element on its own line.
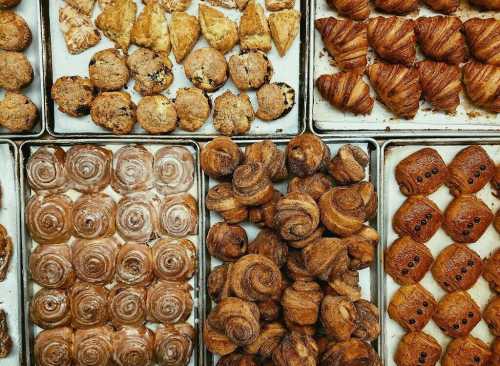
<point>483,37</point>
<point>356,10</point>
<point>443,6</point>
<point>482,84</point>
<point>397,6</point>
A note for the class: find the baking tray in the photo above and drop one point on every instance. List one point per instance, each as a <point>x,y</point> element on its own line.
<point>29,287</point>
<point>368,278</point>
<point>295,74</point>
<point>382,123</point>
<point>392,152</point>
<point>31,11</point>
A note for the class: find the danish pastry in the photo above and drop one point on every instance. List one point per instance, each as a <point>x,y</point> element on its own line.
<point>491,316</point>
<point>417,348</point>
<point>491,270</point>
<point>457,314</point>
<point>355,10</point>
<point>466,351</point>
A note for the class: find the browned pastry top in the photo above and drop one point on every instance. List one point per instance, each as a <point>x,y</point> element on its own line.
<point>54,347</point>
<point>6,249</point>
<point>220,198</point>
<point>264,215</point>
<point>301,302</point>
<point>307,154</point>
<point>174,344</point>
<point>466,351</point>
<point>133,346</point>
<point>483,36</point>
<point>496,222</point>
<point>127,305</point>
<point>270,156</point>
<point>252,185</point>
<point>88,168</point>
<point>350,352</point>
<point>417,348</point>
<point>46,170</point>
<point>491,315</point>
<point>220,157</point>
<point>491,270</point>
<point>227,242</point>
<point>296,350</point>
<point>5,339</point>
<point>93,345</point>
<point>270,245</point>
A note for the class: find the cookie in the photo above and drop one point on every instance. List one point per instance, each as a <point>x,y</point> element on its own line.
<point>250,70</point>
<point>233,114</point>
<point>108,70</point>
<point>193,108</point>
<point>156,114</point>
<point>206,68</point>
<point>151,70</point>
<point>114,111</point>
<point>275,101</point>
<point>17,113</point>
<point>73,95</point>
<point>16,71</point>
<point>15,34</point>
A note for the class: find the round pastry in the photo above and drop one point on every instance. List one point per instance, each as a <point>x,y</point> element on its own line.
<point>88,168</point>
<point>93,346</point>
<point>169,302</point>
<point>275,100</point>
<point>133,346</point>
<point>361,248</point>
<point>339,317</point>
<point>491,270</point>
<point>151,70</point>
<point>15,34</point>
<point>193,108</point>
<point>206,68</point>
<point>295,267</point>
<point>108,70</point>
<point>16,71</point>
<point>17,113</point>
<point>297,216</point>
<point>301,302</point>
<point>132,169</point>
<point>173,170</point>
<point>306,155</point>
<point>316,235</point>
<point>134,265</point>
<point>5,4</point>
<point>127,306</point>
<point>270,245</point>
<point>296,349</point>
<point>269,338</point>
<point>326,258</point>
<point>264,215</point>
<point>114,111</point>
<point>349,164</point>
<point>88,305</point>
<point>457,314</point>
<point>50,266</point>
<point>49,308</point>
<point>368,328</point>
<point>466,351</point>
<point>94,261</point>
<point>491,315</point>
<point>179,215</point>
<point>270,310</point>
<point>156,114</point>
<point>174,344</point>
<point>369,197</point>
<point>220,157</point>
<point>457,267</point>
<point>45,170</point>
<point>250,70</point>
<point>218,284</point>
<point>252,185</point>
<point>216,341</point>
<point>220,198</point>
<point>136,218</point>
<point>227,242</point>
<point>233,114</point>
<point>271,156</point>
<point>94,216</point>
<point>350,352</point>
<point>417,348</point>
<point>174,260</point>
<point>73,95</point>
<point>54,347</point>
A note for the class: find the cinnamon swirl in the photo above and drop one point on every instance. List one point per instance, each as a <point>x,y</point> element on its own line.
<point>50,308</point>
<point>221,199</point>
<point>220,157</point>
<point>88,305</point>
<point>173,170</point>
<point>179,215</point>
<point>252,185</point>
<point>273,159</point>
<point>137,218</point>
<point>307,154</point>
<point>174,260</point>
<point>94,260</point>
<point>132,169</point>
<point>133,346</point>
<point>297,216</point>
<point>54,347</point>
<point>227,242</point>
<point>134,265</point>
<point>169,302</point>
<point>45,170</point>
<point>127,306</point>
<point>94,216</point>
<point>174,344</point>
<point>6,249</point>
<point>50,266</point>
<point>88,168</point>
<point>216,341</point>
<point>93,346</point>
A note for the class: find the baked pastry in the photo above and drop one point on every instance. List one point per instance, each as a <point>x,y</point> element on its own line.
<point>133,346</point>
<point>150,29</point>
<point>94,261</point>
<point>314,185</point>
<point>156,114</point>
<point>127,306</point>
<point>114,111</point>
<point>491,315</point>
<point>54,347</point>
<point>206,68</point>
<point>250,69</point>
<point>221,199</point>
<point>457,267</point>
<point>422,172</point>
<point>5,339</point>
<point>398,87</point>
<point>108,70</point>
<point>218,282</point>
<point>412,307</point>
<point>220,32</point>
<point>216,341</point>
<point>491,270</point>
<point>346,91</point>
<point>443,6</point>
<point>233,114</point>
<point>326,259</point>
<point>174,260</point>
<point>271,156</point>
<point>220,157</point>
<point>6,4</point>
<point>171,6</point>
<point>369,197</point>
<point>16,71</point>
<point>134,264</point>
<point>284,26</point>
<point>94,216</point>
<point>178,215</point>
<point>49,308</point>
<point>73,95</point>
<point>301,302</point>
<point>173,170</point>
<point>193,108</point>
<point>174,344</point>
<point>466,351</point>
<point>45,170</point>
<point>397,6</point>
<point>263,215</point>
<point>457,314</point>
<point>481,85</point>
<point>227,242</point>
<point>15,34</point>
<point>277,5</point>
<point>269,338</point>
<point>407,261</point>
<point>483,37</point>
<point>169,302</point>
<point>355,10</point>
<point>297,216</point>
<point>361,248</point>
<point>441,38</point>
<point>496,222</point>
<point>50,266</point>
<point>275,101</point>
<point>296,349</point>
<point>253,29</point>
<point>132,169</point>
<point>116,22</point>
<point>93,345</point>
<point>348,165</point>
<point>270,245</point>
<point>476,165</point>
<point>495,182</point>
<point>441,85</point>
<point>346,284</point>
<point>228,4</point>
<point>417,348</point>
<point>252,185</point>
<point>83,6</point>
<point>339,317</point>
<point>495,349</point>
<point>17,113</point>
<point>88,168</point>
<point>88,305</point>
<point>368,328</point>
<point>352,351</point>
<point>79,32</point>
<point>152,71</point>
<point>184,33</point>
<point>306,155</point>
<point>486,4</point>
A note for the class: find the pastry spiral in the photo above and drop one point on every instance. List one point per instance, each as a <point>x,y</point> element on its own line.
<point>307,154</point>
<point>483,37</point>
<point>252,185</point>
<point>45,170</point>
<point>270,245</point>
<point>297,216</point>
<point>220,157</point>
<point>295,268</point>
<point>133,346</point>
<point>356,10</point>
<point>179,215</point>
<point>339,317</point>
<point>50,308</point>
<point>127,306</point>
<point>174,344</point>
<point>169,302</point>
<point>88,305</point>
<point>173,170</point>
<point>326,258</point>
<point>227,242</point>
<point>220,198</point>
<point>94,261</point>
<point>314,185</point>
<point>349,164</point>
<point>482,84</point>
<point>132,169</point>
<point>134,265</point>
<point>94,216</point>
<point>136,218</point>
<point>48,218</point>
<point>273,159</point>
<point>269,338</point>
<point>88,168</point>
<point>174,260</point>
<point>264,215</point>
<point>6,249</point>
<point>54,347</point>
<point>218,283</point>
<point>50,266</point>
<point>296,350</point>
<point>255,278</point>
<point>93,346</point>
<point>301,302</point>
<point>216,341</point>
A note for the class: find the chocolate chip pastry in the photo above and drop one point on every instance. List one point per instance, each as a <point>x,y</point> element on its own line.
<point>457,314</point>
<point>417,348</point>
<point>412,307</point>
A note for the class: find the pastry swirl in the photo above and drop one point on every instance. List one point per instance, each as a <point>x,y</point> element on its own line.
<point>296,349</point>
<point>94,216</point>
<point>220,198</point>
<point>174,260</point>
<point>6,249</point>
<point>326,259</point>
<point>54,347</point>
<point>218,283</point>
<point>179,215</point>
<point>136,218</point>
<point>88,168</point>
<point>295,267</point>
<point>301,302</point>
<point>227,242</point>
<point>127,306</point>
<point>264,215</point>
<point>269,338</point>
<point>270,245</point>
<point>174,344</point>
<point>173,170</point>
<point>306,155</point>
<point>273,159</point>
<point>134,265</point>
<point>314,185</point>
<point>133,346</point>
<point>297,216</point>
<point>349,164</point>
<point>50,308</point>
<point>252,185</point>
<point>94,261</point>
<point>132,169</point>
<point>220,157</point>
<point>169,302</point>
<point>93,346</point>
<point>216,341</point>
<point>45,170</point>
<point>88,305</point>
<point>339,317</point>
<point>50,266</point>
<point>48,218</point>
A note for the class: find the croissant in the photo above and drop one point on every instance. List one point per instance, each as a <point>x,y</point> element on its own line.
<point>345,41</point>
<point>297,216</point>
<point>179,215</point>
<point>88,168</point>
<point>443,6</point>
<point>487,4</point>
<point>45,170</point>
<point>88,305</point>
<point>350,352</point>
<point>441,38</point>
<point>174,259</point>
<point>349,164</point>
<point>483,37</point>
<point>93,346</point>
<point>49,308</point>
<point>296,350</point>
<point>398,88</point>
<point>273,159</point>
<point>306,155</point>
<point>127,306</point>
<point>174,344</point>
<point>346,91</point>
<point>54,347</point>
<point>133,346</point>
<point>356,10</point>
<point>269,338</point>
<point>326,258</point>
<point>220,198</point>
<point>482,85</point>
<point>6,249</point>
<point>134,265</point>
<point>132,169</point>
<point>301,302</point>
<point>94,216</point>
<point>220,157</point>
<point>264,215</point>
<point>173,170</point>
<point>227,242</point>
<point>441,85</point>
<point>94,261</point>
<point>169,302</point>
<point>397,6</point>
<point>270,245</point>
<point>50,266</point>
<point>368,327</point>
<point>339,317</point>
<point>136,218</point>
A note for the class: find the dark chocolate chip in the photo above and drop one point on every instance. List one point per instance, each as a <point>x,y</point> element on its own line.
<point>456,326</point>
<point>477,359</point>
<point>470,225</point>
<point>470,181</point>
<point>420,311</point>
<point>419,179</point>
<point>425,304</point>
<point>466,232</point>
<point>404,272</point>
<point>477,174</point>
<point>435,170</point>
<point>463,270</point>
<point>421,360</point>
<point>470,263</point>
<point>482,167</point>
<point>423,354</point>
<point>458,277</point>
<point>470,314</point>
<point>428,216</point>
<point>477,220</point>
<point>428,174</point>
<point>417,227</point>
<point>412,321</point>
<point>464,321</point>
<point>411,264</point>
<point>416,259</point>
<point>423,222</point>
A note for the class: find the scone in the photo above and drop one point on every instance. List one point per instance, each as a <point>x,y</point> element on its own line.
<point>193,108</point>
<point>15,34</point>
<point>17,113</point>
<point>466,351</point>
<point>417,348</point>
<point>253,30</point>
<point>5,4</point>
<point>276,5</point>
<point>275,101</point>
<point>170,6</point>
<point>151,70</point>
<point>220,32</point>
<point>73,95</point>
<point>114,111</point>
<point>78,30</point>
<point>250,70</point>
<point>156,114</point>
<point>83,6</point>
<point>233,114</point>
<point>108,70</point>
<point>491,316</point>
<point>117,21</point>
<point>16,71</point>
<point>491,270</point>
<point>150,29</point>
<point>206,68</point>
<point>284,26</point>
<point>184,33</point>
<point>457,314</point>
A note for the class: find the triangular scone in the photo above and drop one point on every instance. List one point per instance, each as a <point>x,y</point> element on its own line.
<point>284,28</point>
<point>170,5</point>
<point>116,22</point>
<point>254,30</point>
<point>184,33</point>
<point>83,6</point>
<point>79,32</point>
<point>151,29</point>
<point>220,32</point>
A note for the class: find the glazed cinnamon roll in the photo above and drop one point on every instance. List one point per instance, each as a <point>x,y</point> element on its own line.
<point>94,216</point>
<point>252,185</point>
<point>219,282</point>
<point>264,215</point>
<point>54,347</point>
<point>94,261</point>
<point>50,266</point>
<point>132,169</point>
<point>220,198</point>
<point>273,159</point>
<point>48,218</point>
<point>45,170</point>
<point>6,249</point>
<point>173,170</point>
<point>179,215</point>
<point>88,305</point>
<point>227,242</point>
<point>88,168</point>
<point>306,155</point>
<point>349,164</point>
<point>297,216</point>
<point>50,308</point>
<point>301,302</point>
<point>326,258</point>
<point>174,344</point>
<point>270,245</point>
<point>93,346</point>
<point>134,265</point>
<point>137,218</point>
<point>216,341</point>
<point>314,185</point>
<point>133,346</point>
<point>220,157</point>
<point>169,302</point>
<point>127,306</point>
<point>174,260</point>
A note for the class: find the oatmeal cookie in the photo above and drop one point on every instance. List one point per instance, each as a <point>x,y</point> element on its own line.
<point>275,101</point>
<point>156,114</point>
<point>16,71</point>
<point>73,95</point>
<point>151,70</point>
<point>233,114</point>
<point>108,70</point>
<point>193,108</point>
<point>114,111</point>
<point>17,113</point>
<point>206,68</point>
<point>250,70</point>
<point>15,34</point>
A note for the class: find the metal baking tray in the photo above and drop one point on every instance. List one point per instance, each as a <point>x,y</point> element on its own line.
<point>324,118</point>
<point>368,277</point>
<point>32,12</point>
<point>197,281</point>
<point>291,69</point>
<point>392,152</point>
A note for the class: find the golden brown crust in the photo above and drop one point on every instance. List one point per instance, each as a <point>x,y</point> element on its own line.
<point>301,302</point>
<point>79,32</point>
<point>349,164</point>
<point>361,250</point>
<point>156,114</point>
<point>116,22</point>
<point>326,258</point>
<point>94,216</point>
<point>219,282</point>
<point>46,171</point>
<point>114,111</point>
<point>350,352</point>
<point>50,266</point>
<point>483,37</point>
<point>136,218</point>
<point>443,6</point>
<point>151,70</point>
<point>250,70</point>
<point>170,6</point>
<point>15,34</point>
<point>179,215</point>
<point>270,245</point>
<point>127,306</point>
<point>495,185</point>
<point>93,345</point>
<point>356,10</point>
<point>94,261</point>
<point>457,314</point>
<point>220,157</point>
<point>368,327</point>
<point>227,242</point>
<point>206,68</point>
<point>269,338</point>
<point>83,6</point>
<point>150,29</point>
<point>491,270</point>
<point>220,198</point>
<point>466,351</point>
<point>54,347</point>
<point>16,71</point>
<point>306,155</point>
<point>491,315</point>
<point>174,259</point>
<point>184,33</point>
<point>296,349</point>
<point>5,4</point>
<point>88,305</point>
<point>482,85</point>
<point>132,169</point>
<point>397,6</point>
<point>88,168</point>
<point>314,185</point>
<point>134,265</point>
<point>417,347</point>
<point>50,308</point>
<point>284,26</point>
<point>174,344</point>
<point>412,307</point>
<point>169,302</point>
<point>193,108</point>
<point>17,113</point>
<point>216,341</point>
<point>252,185</point>
<point>487,4</point>
<point>295,268</point>
<point>297,216</point>
<point>271,156</point>
<point>220,32</point>
<point>173,169</point>
<point>253,28</point>
<point>339,317</point>
<point>233,114</point>
<point>275,100</point>
<point>132,346</point>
